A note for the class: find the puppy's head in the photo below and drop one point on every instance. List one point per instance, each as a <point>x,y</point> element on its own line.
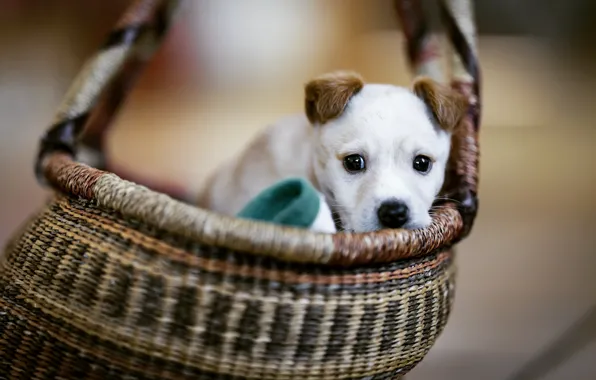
<point>381,150</point>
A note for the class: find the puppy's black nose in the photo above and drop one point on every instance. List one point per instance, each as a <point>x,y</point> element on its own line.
<point>393,214</point>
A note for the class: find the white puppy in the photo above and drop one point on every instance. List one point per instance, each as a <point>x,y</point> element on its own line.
<point>377,152</point>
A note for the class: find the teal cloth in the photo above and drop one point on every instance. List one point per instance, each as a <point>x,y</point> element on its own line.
<point>291,202</point>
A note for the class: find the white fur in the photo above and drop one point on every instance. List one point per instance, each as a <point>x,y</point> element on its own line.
<point>388,125</point>
<point>324,220</point>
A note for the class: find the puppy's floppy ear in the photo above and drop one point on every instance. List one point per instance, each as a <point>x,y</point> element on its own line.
<point>446,105</point>
<point>327,96</point>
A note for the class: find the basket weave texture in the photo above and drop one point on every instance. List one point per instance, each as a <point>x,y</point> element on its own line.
<point>89,294</point>
<point>113,280</point>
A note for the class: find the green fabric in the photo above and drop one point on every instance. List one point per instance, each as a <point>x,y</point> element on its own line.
<point>291,202</point>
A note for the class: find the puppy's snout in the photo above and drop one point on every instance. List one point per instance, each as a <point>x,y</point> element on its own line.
<point>393,214</point>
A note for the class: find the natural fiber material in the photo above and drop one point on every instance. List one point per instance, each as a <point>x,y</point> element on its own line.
<point>108,294</point>
<point>289,244</point>
<point>111,280</point>
<point>424,58</point>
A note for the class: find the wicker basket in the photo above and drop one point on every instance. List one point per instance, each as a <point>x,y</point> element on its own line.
<point>113,280</point>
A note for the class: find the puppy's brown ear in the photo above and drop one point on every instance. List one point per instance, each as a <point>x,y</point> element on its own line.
<point>446,105</point>
<point>327,96</point>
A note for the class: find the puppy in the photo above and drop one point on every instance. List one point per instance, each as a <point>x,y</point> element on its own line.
<point>377,152</point>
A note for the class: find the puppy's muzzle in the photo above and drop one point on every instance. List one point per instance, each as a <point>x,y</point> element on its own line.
<point>393,214</point>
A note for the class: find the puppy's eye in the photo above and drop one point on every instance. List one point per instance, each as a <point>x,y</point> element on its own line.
<point>354,163</point>
<point>422,164</point>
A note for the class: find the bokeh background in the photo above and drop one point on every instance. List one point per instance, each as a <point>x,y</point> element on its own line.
<point>528,271</point>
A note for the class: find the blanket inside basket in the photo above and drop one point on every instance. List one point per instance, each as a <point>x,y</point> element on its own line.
<point>291,202</point>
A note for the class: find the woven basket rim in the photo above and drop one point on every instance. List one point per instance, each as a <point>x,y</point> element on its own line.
<point>204,226</point>
<point>101,86</point>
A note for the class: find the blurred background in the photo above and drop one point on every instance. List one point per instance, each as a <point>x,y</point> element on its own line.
<point>528,271</point>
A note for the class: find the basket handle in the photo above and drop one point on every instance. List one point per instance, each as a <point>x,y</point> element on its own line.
<point>100,88</point>
<point>457,17</point>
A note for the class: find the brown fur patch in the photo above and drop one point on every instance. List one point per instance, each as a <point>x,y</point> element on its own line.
<point>326,96</point>
<point>447,105</point>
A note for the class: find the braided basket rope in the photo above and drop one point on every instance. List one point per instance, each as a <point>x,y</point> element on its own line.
<point>113,280</point>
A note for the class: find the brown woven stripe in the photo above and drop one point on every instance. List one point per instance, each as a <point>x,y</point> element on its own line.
<point>413,305</point>
<point>176,312</point>
<point>89,275</point>
<point>391,245</point>
<point>248,328</point>
<point>50,259</point>
<point>117,296</point>
<point>220,306</point>
<point>152,302</point>
<point>279,331</point>
<point>184,316</point>
<point>70,177</point>
<point>219,263</point>
<point>311,329</point>
<point>337,338</point>
<point>71,361</point>
<point>365,332</point>
<point>342,249</point>
<point>52,359</point>
<point>389,334</point>
<point>74,211</point>
<point>429,319</point>
<point>49,358</point>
